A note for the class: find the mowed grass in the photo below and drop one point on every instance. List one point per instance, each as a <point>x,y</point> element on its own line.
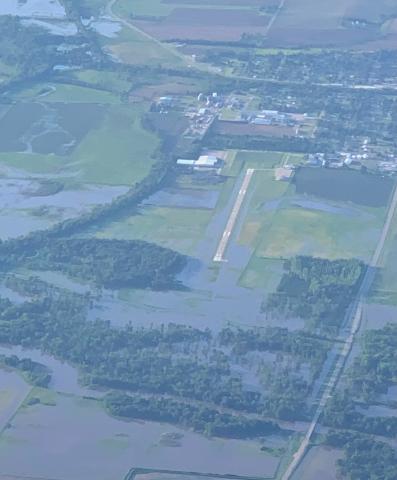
<point>177,228</point>
<point>255,159</point>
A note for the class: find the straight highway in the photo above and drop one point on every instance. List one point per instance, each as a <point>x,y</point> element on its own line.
<point>355,323</point>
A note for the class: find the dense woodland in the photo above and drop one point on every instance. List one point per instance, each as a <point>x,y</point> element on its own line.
<point>364,457</point>
<point>373,371</point>
<point>318,290</point>
<point>201,419</point>
<point>107,263</point>
<point>34,372</point>
<point>180,361</point>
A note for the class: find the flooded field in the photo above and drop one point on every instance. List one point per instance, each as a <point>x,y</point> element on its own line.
<point>82,443</point>
<point>48,128</point>
<point>319,463</point>
<point>64,377</point>
<point>22,210</point>
<point>13,391</point>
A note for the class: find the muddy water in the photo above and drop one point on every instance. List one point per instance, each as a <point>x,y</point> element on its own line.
<point>77,440</point>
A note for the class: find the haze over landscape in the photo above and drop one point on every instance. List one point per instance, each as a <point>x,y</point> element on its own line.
<point>198,240</point>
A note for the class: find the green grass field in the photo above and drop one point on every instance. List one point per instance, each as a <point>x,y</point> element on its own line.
<point>118,153</point>
<point>254,159</point>
<point>68,94</point>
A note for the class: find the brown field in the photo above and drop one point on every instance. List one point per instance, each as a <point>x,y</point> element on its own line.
<point>205,24</point>
<point>306,37</point>
<point>319,23</point>
<point>224,127</point>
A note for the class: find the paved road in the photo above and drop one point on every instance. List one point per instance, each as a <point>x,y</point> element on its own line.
<point>274,17</point>
<point>356,315</point>
<point>220,252</point>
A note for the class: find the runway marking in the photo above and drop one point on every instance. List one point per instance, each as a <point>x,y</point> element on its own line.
<point>231,223</point>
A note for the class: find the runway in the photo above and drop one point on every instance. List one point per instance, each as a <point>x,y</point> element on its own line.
<point>222,246</point>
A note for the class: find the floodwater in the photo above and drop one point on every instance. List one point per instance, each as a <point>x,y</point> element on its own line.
<point>66,29</point>
<point>64,376</point>
<point>377,315</point>
<point>13,391</point>
<point>77,440</point>
<point>378,411</point>
<point>214,298</point>
<point>107,28</point>
<point>32,8</point>
<point>319,463</point>
<point>23,212</point>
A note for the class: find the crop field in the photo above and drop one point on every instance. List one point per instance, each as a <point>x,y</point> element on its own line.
<point>219,21</point>
<point>321,23</point>
<point>205,24</point>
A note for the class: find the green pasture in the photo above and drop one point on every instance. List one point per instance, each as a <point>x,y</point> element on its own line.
<point>68,94</point>
<point>119,152</point>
